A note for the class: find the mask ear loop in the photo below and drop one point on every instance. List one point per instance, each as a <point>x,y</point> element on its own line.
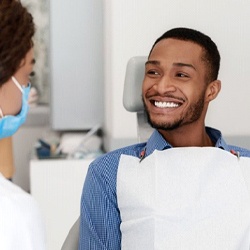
<point>1,113</point>
<point>17,83</point>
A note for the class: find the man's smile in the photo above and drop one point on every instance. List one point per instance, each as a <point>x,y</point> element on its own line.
<point>165,104</point>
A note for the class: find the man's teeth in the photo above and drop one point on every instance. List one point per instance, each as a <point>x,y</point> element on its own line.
<point>166,105</point>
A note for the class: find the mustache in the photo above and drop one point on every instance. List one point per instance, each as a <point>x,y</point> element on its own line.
<point>166,96</point>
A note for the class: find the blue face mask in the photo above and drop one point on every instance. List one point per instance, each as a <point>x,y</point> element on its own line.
<point>9,124</point>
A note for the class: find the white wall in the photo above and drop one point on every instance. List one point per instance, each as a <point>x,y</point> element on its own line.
<point>131,27</point>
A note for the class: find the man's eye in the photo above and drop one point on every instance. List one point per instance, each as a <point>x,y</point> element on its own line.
<point>152,72</point>
<point>182,75</point>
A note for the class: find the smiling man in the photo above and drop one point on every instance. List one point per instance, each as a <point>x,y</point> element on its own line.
<point>177,89</point>
<point>185,188</point>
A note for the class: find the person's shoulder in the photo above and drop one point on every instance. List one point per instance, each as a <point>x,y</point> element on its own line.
<point>133,150</point>
<point>13,195</point>
<point>20,215</point>
<point>14,200</point>
<point>113,157</point>
<point>244,152</point>
<point>9,189</point>
<point>106,165</point>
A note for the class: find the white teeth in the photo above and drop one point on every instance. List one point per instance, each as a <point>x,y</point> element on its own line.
<point>166,105</point>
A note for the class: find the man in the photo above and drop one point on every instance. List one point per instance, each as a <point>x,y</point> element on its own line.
<point>21,224</point>
<point>184,188</point>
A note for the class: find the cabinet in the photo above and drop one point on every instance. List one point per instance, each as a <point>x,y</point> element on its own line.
<point>57,186</point>
<point>76,64</point>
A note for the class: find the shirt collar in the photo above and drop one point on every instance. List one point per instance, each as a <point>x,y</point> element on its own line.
<point>157,142</point>
<point>217,138</point>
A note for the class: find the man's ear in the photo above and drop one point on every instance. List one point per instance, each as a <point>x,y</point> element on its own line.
<point>213,90</point>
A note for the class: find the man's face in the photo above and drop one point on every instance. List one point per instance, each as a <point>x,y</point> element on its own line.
<point>174,85</point>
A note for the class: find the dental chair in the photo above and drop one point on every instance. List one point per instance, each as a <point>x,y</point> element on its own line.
<point>132,98</point>
<point>132,102</point>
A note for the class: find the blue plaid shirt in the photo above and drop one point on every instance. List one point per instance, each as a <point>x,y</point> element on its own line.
<point>100,216</point>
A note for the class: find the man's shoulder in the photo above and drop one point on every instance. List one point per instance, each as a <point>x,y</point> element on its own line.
<point>107,164</point>
<point>242,151</point>
<point>113,156</point>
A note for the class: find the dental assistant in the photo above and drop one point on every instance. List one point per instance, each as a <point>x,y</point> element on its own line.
<point>21,223</point>
<point>185,188</point>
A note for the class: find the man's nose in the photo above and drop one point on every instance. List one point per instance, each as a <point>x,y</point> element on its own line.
<point>165,84</point>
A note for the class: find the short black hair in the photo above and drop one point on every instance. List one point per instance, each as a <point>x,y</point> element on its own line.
<point>211,53</point>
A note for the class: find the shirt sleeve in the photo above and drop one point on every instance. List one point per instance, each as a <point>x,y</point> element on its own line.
<point>100,217</point>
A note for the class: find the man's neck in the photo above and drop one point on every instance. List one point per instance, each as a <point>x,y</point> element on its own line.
<point>188,137</point>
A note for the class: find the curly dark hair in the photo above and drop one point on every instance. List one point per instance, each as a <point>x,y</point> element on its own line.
<point>16,31</point>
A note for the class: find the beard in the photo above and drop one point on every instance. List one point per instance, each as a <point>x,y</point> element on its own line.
<point>193,113</point>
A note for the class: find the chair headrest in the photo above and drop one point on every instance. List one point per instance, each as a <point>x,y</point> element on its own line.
<point>132,93</point>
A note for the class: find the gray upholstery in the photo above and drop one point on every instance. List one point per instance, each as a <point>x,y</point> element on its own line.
<point>71,242</point>
<point>133,83</point>
<point>132,98</point>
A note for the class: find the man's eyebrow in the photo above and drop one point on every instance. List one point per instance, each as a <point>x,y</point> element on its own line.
<point>154,62</point>
<point>179,64</point>
<point>184,65</point>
